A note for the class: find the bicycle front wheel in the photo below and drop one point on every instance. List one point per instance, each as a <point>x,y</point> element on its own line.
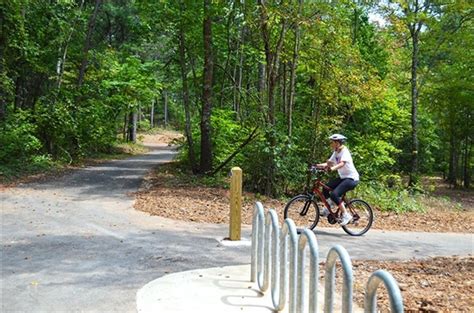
<point>303,210</point>
<point>362,218</point>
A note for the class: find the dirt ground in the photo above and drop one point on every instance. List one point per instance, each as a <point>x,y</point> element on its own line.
<point>166,195</point>
<point>164,136</point>
<point>442,284</point>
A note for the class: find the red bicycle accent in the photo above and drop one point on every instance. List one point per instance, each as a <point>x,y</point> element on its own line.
<point>304,209</point>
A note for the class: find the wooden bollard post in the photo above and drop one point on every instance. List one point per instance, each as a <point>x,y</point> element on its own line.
<point>235,203</point>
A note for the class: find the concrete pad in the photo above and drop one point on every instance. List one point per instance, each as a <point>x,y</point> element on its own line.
<point>243,242</point>
<point>218,289</point>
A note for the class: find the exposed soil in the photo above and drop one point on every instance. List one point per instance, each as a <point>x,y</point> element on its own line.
<point>163,137</point>
<point>166,195</point>
<point>441,284</point>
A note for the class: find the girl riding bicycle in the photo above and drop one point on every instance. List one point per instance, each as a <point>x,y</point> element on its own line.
<point>340,160</point>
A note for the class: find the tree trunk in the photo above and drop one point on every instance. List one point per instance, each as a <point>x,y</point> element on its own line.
<point>415,31</point>
<point>294,64</point>
<point>284,91</point>
<point>165,107</point>
<point>452,170</point>
<point>272,56</point>
<point>125,127</point>
<point>230,49</point>
<point>206,143</point>
<point>152,114</point>
<point>132,126</point>
<point>239,73</point>
<point>466,165</point>
<point>87,44</point>
<point>187,111</point>
<point>62,61</point>
<point>235,89</point>
<point>356,26</point>
<point>237,76</point>
<point>261,87</point>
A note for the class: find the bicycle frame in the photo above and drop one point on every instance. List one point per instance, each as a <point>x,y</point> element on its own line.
<point>313,199</point>
<point>318,186</point>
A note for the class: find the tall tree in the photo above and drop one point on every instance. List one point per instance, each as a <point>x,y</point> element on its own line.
<point>414,15</point>
<point>294,63</point>
<point>206,143</point>
<point>88,42</point>
<point>450,91</point>
<point>186,102</point>
<point>62,60</point>
<point>272,62</point>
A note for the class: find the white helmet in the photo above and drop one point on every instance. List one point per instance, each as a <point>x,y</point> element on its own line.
<point>338,137</point>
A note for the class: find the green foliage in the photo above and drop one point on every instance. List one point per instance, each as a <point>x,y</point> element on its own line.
<point>21,148</point>
<point>227,135</point>
<point>290,164</point>
<point>386,198</point>
<point>370,48</point>
<point>351,77</point>
<point>18,139</point>
<point>144,125</point>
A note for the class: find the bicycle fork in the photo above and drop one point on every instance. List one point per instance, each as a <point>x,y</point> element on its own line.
<point>306,206</point>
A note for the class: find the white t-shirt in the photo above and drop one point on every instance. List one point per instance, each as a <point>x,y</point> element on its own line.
<point>348,170</point>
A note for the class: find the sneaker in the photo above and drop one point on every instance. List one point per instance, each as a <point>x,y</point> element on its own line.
<point>324,212</point>
<point>346,218</point>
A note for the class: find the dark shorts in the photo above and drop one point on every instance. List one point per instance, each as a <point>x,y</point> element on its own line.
<point>339,187</point>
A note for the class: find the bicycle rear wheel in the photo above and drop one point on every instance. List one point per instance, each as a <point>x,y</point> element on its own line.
<point>362,218</point>
<point>303,210</point>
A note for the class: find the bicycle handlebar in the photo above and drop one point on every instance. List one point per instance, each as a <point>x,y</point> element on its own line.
<point>314,170</point>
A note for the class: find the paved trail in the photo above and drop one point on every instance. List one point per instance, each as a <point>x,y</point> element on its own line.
<point>75,244</point>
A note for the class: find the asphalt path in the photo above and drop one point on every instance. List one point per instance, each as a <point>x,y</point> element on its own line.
<point>75,243</point>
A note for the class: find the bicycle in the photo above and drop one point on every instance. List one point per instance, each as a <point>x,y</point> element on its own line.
<point>304,209</point>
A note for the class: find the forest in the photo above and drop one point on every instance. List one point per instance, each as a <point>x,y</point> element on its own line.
<point>256,84</point>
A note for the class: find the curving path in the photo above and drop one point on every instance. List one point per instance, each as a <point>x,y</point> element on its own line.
<point>76,244</point>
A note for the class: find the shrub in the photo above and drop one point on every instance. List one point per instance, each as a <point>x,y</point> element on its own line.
<point>18,139</point>
<point>384,198</point>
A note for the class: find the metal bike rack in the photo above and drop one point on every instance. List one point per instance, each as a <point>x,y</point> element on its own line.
<point>270,257</point>
<point>308,237</point>
<point>258,228</point>
<point>288,235</point>
<point>394,294</point>
<point>330,279</point>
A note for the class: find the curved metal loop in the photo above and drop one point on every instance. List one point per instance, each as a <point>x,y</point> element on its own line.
<point>308,237</point>
<point>394,294</point>
<point>274,241</point>
<point>329,288</point>
<point>272,234</point>
<point>288,233</point>
<point>258,228</point>
<point>269,241</point>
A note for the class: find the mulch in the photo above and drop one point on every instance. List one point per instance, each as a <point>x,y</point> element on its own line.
<point>441,284</point>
